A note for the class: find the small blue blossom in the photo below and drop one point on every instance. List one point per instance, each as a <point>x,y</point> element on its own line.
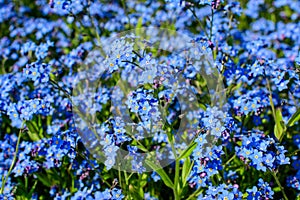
<point>155,176</point>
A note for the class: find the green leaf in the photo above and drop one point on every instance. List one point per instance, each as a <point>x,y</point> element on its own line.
<point>279,128</point>
<point>186,169</point>
<point>143,181</point>
<point>49,120</point>
<point>105,176</point>
<point>188,151</point>
<point>32,132</point>
<point>278,131</point>
<point>40,121</point>
<point>44,179</point>
<point>32,189</point>
<point>142,148</point>
<point>134,193</point>
<point>139,25</point>
<point>41,131</point>
<point>245,195</point>
<point>276,189</point>
<point>295,117</point>
<point>158,169</point>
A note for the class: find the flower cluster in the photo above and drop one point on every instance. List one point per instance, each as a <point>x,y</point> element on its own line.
<point>97,103</point>
<point>263,191</point>
<point>144,104</point>
<point>37,72</point>
<point>25,110</point>
<point>222,192</point>
<point>262,155</point>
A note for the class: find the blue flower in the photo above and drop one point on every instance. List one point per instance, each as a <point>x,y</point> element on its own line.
<point>283,85</point>
<point>109,162</point>
<point>41,51</point>
<point>221,191</point>
<point>110,150</point>
<point>28,46</point>
<point>256,157</point>
<point>257,69</point>
<point>137,165</point>
<point>155,176</point>
<point>296,140</point>
<point>103,195</point>
<point>117,194</point>
<point>282,159</point>
<point>18,170</point>
<point>252,193</point>
<point>38,72</point>
<point>60,4</point>
<point>265,190</point>
<point>269,159</point>
<point>148,76</point>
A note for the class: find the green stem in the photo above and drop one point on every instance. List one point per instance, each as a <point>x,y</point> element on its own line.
<point>195,193</point>
<point>294,153</point>
<point>72,179</point>
<point>228,161</point>
<point>130,175</point>
<point>127,184</point>
<point>26,182</point>
<point>62,89</point>
<point>197,19</point>
<point>3,65</point>
<point>140,190</point>
<point>278,183</point>
<point>120,177</point>
<point>177,166</point>
<point>4,180</point>
<point>176,186</point>
<point>126,178</point>
<point>294,100</point>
